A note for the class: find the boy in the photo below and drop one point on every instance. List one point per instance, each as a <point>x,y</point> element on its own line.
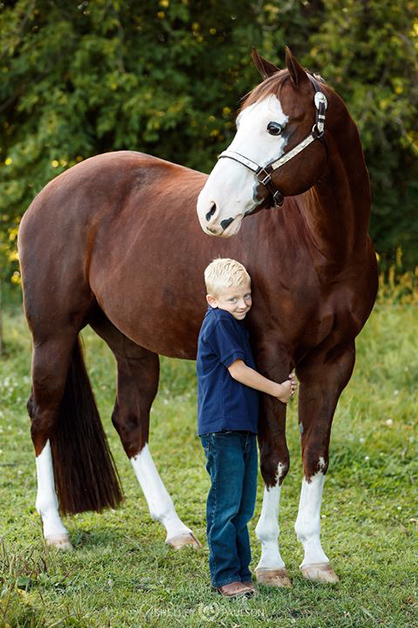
<point>227,423</point>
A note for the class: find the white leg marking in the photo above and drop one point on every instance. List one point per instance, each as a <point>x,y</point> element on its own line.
<point>267,529</point>
<point>46,500</point>
<point>159,502</point>
<point>308,522</point>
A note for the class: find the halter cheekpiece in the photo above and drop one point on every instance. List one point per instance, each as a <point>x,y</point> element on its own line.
<point>263,173</point>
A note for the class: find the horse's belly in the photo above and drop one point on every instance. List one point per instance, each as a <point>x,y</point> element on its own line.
<point>156,307</point>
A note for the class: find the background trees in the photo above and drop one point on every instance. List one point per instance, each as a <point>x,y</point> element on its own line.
<point>165,77</point>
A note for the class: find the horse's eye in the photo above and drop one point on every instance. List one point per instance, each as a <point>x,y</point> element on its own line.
<point>274,128</point>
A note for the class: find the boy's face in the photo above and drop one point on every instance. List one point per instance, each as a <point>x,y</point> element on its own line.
<point>235,300</point>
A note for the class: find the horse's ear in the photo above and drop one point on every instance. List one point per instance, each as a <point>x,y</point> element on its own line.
<point>264,67</point>
<point>297,73</point>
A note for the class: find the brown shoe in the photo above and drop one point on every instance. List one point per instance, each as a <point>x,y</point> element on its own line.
<point>235,589</point>
<point>250,584</point>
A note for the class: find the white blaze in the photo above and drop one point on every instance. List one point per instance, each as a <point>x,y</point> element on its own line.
<point>232,186</point>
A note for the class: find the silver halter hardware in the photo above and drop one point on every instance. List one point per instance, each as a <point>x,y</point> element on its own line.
<point>263,174</point>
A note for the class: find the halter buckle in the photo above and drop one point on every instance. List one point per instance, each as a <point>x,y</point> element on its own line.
<point>320,99</point>
<point>267,177</point>
<point>318,130</point>
<point>278,199</point>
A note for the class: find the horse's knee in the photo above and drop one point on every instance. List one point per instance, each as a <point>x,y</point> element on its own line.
<point>314,461</point>
<point>274,469</point>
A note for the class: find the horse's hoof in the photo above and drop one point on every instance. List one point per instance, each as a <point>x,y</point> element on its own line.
<point>182,540</point>
<point>60,541</point>
<point>273,577</point>
<point>319,572</point>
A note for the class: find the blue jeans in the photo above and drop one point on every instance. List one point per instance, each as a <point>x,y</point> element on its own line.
<point>231,461</point>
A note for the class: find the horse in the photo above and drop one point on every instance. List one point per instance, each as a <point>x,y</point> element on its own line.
<point>120,242</point>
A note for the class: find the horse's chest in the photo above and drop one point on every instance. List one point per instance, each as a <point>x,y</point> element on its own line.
<point>303,321</point>
<point>334,319</point>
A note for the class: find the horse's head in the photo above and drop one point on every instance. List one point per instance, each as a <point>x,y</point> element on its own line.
<point>274,152</point>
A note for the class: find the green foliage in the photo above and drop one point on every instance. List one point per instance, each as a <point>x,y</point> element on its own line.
<point>165,77</point>
<point>368,52</point>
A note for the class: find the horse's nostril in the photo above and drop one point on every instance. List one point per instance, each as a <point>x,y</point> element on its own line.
<point>211,212</point>
<point>225,223</point>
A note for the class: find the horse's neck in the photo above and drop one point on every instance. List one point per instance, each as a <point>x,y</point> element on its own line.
<point>339,205</point>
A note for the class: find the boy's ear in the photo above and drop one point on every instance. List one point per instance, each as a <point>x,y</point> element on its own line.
<point>211,300</point>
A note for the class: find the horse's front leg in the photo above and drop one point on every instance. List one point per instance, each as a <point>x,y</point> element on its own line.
<point>274,463</point>
<point>322,379</point>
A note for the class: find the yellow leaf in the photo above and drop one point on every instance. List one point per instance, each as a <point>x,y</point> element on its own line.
<point>14,256</point>
<point>15,277</point>
<point>13,234</point>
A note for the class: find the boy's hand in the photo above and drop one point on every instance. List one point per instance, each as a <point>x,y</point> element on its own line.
<point>287,388</point>
<point>249,377</point>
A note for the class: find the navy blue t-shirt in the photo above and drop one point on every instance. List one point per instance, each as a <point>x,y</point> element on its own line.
<point>222,402</point>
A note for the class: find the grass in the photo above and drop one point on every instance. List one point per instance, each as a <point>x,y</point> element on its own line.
<point>121,573</point>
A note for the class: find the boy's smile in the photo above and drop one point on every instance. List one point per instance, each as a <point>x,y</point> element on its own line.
<point>236,300</point>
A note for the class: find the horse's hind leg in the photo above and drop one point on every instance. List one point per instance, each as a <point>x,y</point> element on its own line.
<point>322,378</point>
<point>138,374</point>
<point>73,461</point>
<point>50,362</point>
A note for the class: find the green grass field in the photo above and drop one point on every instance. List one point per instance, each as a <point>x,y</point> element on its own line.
<point>121,573</point>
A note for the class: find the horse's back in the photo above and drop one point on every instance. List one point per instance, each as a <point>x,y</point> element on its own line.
<point>99,185</point>
<point>76,215</point>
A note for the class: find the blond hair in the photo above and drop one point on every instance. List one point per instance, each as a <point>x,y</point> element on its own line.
<point>224,273</point>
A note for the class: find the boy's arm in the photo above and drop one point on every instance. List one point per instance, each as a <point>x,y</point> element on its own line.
<point>248,376</point>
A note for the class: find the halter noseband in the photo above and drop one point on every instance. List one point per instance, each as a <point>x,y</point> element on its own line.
<point>263,173</point>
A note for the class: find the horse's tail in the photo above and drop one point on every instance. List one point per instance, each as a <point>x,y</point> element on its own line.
<point>84,470</point>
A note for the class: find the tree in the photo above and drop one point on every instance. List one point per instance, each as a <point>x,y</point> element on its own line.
<point>166,76</point>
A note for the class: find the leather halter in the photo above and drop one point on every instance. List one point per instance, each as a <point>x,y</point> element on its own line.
<point>263,173</point>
